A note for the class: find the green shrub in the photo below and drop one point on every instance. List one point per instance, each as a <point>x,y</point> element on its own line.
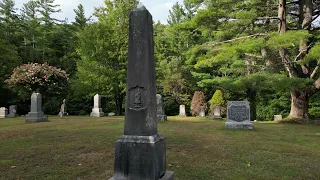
<point>314,107</point>
<point>217,100</point>
<point>171,107</point>
<point>272,104</point>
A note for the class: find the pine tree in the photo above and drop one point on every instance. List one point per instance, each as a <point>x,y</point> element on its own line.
<point>103,48</point>
<point>80,19</point>
<point>176,14</point>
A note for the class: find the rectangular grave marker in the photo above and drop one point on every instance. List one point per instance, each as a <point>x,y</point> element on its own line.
<point>238,115</point>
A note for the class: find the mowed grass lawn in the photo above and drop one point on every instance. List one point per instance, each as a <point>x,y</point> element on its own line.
<point>82,148</point>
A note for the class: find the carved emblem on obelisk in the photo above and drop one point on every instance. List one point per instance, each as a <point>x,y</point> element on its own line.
<point>137,98</point>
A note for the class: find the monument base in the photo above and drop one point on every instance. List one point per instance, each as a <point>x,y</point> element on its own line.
<point>182,115</point>
<point>161,118</point>
<point>97,112</point>
<point>34,117</point>
<point>140,157</point>
<point>239,125</point>
<point>217,117</point>
<point>169,175</point>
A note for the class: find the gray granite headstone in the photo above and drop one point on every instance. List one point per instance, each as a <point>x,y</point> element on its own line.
<point>140,154</point>
<point>238,115</point>
<point>161,116</point>
<point>3,112</point>
<point>202,112</point>
<point>182,111</point>
<point>277,117</point>
<point>36,114</point>
<point>96,110</point>
<point>12,111</point>
<point>217,112</point>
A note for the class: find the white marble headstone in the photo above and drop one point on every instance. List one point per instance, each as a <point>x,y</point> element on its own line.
<point>97,111</point>
<point>202,112</point>
<point>3,112</point>
<point>182,111</point>
<point>217,112</point>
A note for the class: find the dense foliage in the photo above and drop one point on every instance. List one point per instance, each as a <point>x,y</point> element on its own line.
<point>254,50</point>
<point>217,100</point>
<point>39,77</point>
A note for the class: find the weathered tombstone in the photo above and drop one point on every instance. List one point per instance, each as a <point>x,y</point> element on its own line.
<point>111,114</point>
<point>12,111</point>
<point>202,112</point>
<point>36,114</point>
<point>238,115</point>
<point>3,112</point>
<point>97,111</point>
<point>63,109</point>
<point>277,117</point>
<point>160,109</point>
<point>217,112</point>
<point>140,154</point>
<point>182,111</point>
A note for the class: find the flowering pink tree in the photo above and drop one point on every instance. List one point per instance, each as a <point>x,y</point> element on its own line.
<point>39,77</point>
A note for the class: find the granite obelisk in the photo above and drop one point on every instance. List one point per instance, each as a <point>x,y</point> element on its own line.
<point>36,114</point>
<point>140,154</point>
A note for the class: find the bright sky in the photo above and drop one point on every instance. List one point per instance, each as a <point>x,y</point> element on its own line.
<point>158,8</point>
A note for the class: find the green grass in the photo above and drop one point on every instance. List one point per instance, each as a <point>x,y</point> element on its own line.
<point>197,149</point>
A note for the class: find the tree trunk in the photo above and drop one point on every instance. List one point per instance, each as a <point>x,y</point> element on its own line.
<point>252,96</point>
<point>300,99</point>
<point>299,105</point>
<point>119,101</point>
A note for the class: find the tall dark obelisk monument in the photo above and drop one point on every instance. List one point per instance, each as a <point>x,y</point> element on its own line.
<point>140,154</point>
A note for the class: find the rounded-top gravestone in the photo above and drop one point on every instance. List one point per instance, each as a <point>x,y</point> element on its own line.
<point>182,111</point>
<point>12,111</point>
<point>3,112</point>
<point>217,112</point>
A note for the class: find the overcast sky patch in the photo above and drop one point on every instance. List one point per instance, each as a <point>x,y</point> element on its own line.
<point>158,8</point>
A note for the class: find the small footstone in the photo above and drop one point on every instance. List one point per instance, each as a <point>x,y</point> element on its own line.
<point>238,115</point>
<point>277,117</point>
<point>111,114</point>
